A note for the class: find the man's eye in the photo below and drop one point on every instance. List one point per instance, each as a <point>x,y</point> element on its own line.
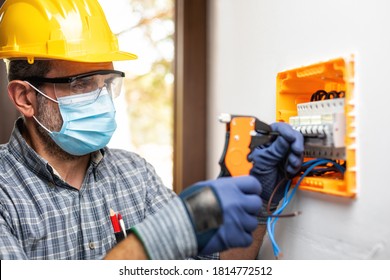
<point>81,86</point>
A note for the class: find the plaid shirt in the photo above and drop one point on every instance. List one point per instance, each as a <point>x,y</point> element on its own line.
<point>42,217</point>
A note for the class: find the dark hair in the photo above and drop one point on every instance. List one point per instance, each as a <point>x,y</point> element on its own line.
<point>21,69</point>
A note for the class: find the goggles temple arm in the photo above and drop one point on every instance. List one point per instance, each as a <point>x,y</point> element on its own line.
<point>45,95</point>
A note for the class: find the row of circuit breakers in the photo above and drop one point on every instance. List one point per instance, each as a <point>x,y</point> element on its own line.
<point>322,123</point>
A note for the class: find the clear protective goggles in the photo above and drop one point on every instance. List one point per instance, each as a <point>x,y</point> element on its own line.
<point>91,83</point>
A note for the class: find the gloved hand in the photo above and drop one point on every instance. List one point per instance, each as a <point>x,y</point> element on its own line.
<point>208,217</point>
<point>281,159</point>
<point>227,220</point>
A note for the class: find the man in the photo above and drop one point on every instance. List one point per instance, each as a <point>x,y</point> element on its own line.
<point>60,184</point>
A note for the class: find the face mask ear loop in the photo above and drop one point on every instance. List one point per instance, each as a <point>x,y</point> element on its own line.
<point>41,124</point>
<point>48,97</point>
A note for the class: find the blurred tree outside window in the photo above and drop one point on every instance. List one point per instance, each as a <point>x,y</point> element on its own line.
<point>145,107</point>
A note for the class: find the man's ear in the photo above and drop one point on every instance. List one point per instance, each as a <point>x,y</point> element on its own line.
<point>23,97</point>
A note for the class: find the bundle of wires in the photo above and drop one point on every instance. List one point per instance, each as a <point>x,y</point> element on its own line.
<point>307,169</point>
<point>324,95</point>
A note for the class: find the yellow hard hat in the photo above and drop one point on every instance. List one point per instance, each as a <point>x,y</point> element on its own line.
<point>75,30</point>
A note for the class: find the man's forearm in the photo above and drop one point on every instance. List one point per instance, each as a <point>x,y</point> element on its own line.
<point>249,253</point>
<point>130,248</point>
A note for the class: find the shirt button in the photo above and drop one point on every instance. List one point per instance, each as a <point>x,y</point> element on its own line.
<point>91,245</point>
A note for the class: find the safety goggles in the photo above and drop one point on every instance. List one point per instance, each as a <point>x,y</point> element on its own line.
<point>86,83</point>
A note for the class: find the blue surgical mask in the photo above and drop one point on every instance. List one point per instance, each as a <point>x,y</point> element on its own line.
<point>88,122</point>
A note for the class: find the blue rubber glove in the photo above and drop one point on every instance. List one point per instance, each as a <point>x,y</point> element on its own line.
<point>281,159</point>
<point>239,203</point>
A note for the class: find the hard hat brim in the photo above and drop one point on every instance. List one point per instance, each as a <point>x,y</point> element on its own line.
<point>88,58</point>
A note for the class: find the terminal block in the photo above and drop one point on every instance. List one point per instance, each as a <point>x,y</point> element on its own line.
<point>329,125</point>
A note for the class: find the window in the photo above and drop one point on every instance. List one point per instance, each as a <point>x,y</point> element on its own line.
<point>164,113</point>
<point>145,109</point>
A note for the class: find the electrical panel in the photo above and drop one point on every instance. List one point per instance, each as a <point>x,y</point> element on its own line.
<point>318,100</point>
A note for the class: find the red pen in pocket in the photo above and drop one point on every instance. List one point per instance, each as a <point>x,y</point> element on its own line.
<point>114,221</point>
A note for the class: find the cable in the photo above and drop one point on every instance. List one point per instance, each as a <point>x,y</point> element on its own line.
<point>271,221</point>
<point>323,95</point>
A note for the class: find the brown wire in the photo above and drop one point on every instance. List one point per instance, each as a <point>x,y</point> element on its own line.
<point>273,194</point>
<point>288,215</point>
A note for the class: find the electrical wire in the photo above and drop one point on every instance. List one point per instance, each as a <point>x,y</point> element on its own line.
<point>324,95</point>
<point>307,167</point>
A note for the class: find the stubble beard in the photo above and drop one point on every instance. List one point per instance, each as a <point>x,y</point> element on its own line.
<point>50,117</point>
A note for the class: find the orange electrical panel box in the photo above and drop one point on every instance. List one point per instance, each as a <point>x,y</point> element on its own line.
<point>294,97</point>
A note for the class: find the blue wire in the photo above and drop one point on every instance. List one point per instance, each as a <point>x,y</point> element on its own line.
<point>288,197</point>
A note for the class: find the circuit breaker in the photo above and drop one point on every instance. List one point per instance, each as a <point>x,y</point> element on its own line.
<point>318,100</point>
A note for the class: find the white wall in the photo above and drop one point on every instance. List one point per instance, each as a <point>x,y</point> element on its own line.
<point>250,42</point>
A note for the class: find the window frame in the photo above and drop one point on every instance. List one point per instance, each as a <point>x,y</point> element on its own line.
<point>190,110</point>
